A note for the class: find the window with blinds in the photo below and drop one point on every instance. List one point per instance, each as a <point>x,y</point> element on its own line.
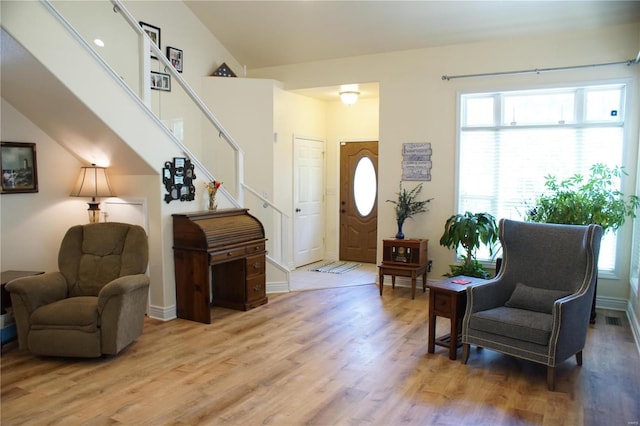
<point>509,142</point>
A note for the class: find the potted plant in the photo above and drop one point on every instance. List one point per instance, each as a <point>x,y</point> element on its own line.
<point>574,201</point>
<point>407,206</point>
<point>469,230</point>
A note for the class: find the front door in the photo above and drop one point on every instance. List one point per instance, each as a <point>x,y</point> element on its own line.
<point>358,201</point>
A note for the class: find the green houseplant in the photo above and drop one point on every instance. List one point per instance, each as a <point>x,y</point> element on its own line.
<point>408,206</point>
<point>576,201</point>
<point>469,230</point>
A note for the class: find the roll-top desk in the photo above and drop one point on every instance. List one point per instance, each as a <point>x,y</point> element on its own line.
<point>219,259</point>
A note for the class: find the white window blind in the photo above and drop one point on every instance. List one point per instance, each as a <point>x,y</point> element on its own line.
<point>509,142</point>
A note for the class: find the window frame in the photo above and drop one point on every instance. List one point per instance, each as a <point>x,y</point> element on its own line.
<point>498,93</point>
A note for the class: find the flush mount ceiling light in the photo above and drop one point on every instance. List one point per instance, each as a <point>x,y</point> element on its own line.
<point>349,97</point>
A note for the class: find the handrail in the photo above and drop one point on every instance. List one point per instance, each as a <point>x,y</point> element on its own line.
<point>144,101</point>
<point>265,201</point>
<point>119,8</point>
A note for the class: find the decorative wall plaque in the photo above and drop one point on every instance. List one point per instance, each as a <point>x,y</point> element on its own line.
<point>416,161</point>
<point>178,177</point>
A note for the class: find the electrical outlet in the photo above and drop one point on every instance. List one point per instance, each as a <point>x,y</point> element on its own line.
<point>430,266</point>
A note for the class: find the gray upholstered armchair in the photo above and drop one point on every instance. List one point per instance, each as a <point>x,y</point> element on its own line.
<point>538,307</point>
<point>97,301</point>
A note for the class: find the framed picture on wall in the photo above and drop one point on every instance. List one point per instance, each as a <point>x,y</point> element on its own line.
<point>19,167</point>
<point>154,34</point>
<point>160,81</point>
<point>175,57</point>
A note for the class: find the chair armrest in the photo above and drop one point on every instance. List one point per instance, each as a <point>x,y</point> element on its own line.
<point>122,306</point>
<point>38,290</point>
<point>570,323</point>
<point>488,295</point>
<point>29,293</point>
<point>121,286</point>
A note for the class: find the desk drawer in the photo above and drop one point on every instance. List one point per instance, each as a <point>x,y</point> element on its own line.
<point>255,248</point>
<point>256,288</point>
<point>255,265</point>
<point>225,255</point>
<point>442,304</point>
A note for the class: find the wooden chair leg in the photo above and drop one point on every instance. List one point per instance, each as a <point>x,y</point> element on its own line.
<point>579,358</point>
<point>465,352</point>
<point>551,378</point>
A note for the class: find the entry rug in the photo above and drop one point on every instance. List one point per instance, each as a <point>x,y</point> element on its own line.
<point>336,267</point>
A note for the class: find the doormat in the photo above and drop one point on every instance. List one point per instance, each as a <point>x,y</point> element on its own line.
<point>335,267</point>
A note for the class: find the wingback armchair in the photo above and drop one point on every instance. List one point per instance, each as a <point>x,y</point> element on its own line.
<point>538,306</point>
<point>96,303</point>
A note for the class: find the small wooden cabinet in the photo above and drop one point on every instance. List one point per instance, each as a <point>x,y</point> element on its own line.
<point>404,258</point>
<point>405,252</point>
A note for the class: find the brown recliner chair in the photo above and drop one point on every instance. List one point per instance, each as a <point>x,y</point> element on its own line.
<point>96,303</point>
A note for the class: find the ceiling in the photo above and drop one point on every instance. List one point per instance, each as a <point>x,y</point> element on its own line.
<point>271,33</point>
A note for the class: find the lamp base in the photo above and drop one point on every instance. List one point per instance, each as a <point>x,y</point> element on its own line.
<point>94,212</point>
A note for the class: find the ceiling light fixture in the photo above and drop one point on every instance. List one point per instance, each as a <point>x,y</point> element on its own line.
<point>98,42</point>
<point>349,97</point>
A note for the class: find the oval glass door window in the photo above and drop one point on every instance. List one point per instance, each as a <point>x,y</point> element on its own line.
<point>364,186</point>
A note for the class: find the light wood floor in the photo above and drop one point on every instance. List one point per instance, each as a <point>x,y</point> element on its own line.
<point>341,356</point>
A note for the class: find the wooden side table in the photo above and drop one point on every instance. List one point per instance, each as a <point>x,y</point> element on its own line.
<point>448,299</point>
<point>403,271</point>
<point>405,258</point>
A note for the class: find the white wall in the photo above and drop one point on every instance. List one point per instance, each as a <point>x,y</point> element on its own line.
<point>416,105</point>
<point>33,224</point>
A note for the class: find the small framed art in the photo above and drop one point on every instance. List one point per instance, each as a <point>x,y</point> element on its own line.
<point>175,57</point>
<point>160,81</point>
<point>19,167</point>
<point>154,34</point>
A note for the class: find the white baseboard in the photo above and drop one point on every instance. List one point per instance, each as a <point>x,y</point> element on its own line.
<point>635,325</point>
<point>163,313</point>
<point>611,303</point>
<point>277,287</point>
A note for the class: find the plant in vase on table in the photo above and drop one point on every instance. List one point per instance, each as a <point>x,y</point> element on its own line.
<point>469,231</point>
<point>212,188</point>
<point>407,206</point>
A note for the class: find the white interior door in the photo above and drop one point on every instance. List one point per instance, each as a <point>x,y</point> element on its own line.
<point>308,201</point>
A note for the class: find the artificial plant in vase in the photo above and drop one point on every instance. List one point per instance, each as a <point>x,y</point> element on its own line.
<point>212,189</point>
<point>408,206</point>
<point>469,230</point>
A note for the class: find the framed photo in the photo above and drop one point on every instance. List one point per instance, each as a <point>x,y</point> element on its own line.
<point>19,167</point>
<point>160,81</point>
<point>175,57</point>
<point>154,33</point>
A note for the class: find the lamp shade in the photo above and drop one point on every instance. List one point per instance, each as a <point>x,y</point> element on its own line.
<point>92,182</point>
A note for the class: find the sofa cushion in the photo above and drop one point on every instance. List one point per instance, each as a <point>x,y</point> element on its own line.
<point>74,313</point>
<point>529,326</point>
<point>534,299</point>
